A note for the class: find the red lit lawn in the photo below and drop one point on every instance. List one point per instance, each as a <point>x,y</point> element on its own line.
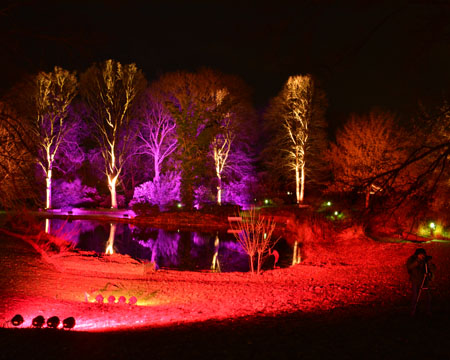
<point>352,278</point>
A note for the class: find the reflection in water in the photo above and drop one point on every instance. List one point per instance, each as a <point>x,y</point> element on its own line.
<point>163,246</point>
<point>179,250</point>
<point>110,243</point>
<point>296,256</point>
<point>47,225</point>
<point>215,266</point>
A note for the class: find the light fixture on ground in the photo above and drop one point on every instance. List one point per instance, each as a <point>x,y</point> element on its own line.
<point>17,320</point>
<point>53,322</point>
<point>69,323</point>
<point>38,321</point>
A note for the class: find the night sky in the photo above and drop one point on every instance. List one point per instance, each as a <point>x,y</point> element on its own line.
<point>365,53</point>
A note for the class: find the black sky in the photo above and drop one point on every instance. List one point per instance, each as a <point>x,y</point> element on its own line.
<point>366,53</point>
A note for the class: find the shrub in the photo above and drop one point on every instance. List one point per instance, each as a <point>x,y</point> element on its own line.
<point>162,192</point>
<point>72,193</point>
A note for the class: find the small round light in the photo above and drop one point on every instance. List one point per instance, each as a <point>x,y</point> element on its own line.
<point>69,323</point>
<point>432,225</point>
<point>17,320</point>
<point>38,321</point>
<point>328,203</point>
<point>53,322</point>
<point>336,213</point>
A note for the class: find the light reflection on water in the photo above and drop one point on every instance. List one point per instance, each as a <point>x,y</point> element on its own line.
<point>181,250</point>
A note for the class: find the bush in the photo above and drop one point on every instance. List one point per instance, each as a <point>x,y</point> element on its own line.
<point>162,192</point>
<point>71,194</point>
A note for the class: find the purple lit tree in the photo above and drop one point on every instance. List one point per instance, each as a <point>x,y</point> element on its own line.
<point>190,99</point>
<point>110,89</point>
<point>157,133</point>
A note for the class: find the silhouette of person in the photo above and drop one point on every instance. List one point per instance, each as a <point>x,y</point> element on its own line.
<point>421,272</point>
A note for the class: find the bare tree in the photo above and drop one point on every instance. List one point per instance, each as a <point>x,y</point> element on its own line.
<point>110,90</point>
<point>52,95</point>
<point>254,233</point>
<point>298,111</point>
<point>424,172</point>
<point>157,131</point>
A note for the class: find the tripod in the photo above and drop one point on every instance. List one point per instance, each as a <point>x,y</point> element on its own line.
<point>422,287</point>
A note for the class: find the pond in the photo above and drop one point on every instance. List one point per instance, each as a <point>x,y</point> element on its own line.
<point>180,250</point>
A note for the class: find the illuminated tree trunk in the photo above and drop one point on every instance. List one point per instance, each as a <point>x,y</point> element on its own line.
<point>302,183</point>
<point>297,184</point>
<point>112,182</point>
<point>219,190</point>
<point>48,181</point>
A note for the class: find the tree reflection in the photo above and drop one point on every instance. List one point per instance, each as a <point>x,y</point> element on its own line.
<point>110,243</point>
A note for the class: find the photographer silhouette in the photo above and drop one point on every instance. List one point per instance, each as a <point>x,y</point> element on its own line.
<point>421,272</point>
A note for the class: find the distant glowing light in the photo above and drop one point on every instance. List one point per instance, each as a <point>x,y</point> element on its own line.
<point>432,225</point>
<point>179,205</point>
<point>336,213</point>
<point>266,201</point>
<point>328,203</point>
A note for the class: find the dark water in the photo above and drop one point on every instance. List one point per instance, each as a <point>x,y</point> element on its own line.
<point>181,250</point>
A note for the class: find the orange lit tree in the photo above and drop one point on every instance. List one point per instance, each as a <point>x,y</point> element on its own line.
<point>368,145</point>
<point>52,94</point>
<point>16,160</point>
<point>296,118</point>
<point>110,89</point>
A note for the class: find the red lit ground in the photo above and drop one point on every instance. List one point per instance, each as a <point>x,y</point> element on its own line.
<point>346,300</point>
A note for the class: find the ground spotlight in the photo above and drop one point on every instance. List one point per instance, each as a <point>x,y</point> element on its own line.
<point>53,322</point>
<point>17,320</point>
<point>69,323</point>
<point>38,321</point>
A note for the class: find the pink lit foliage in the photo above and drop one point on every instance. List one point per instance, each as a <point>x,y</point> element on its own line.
<point>239,192</point>
<point>162,191</point>
<point>73,193</point>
